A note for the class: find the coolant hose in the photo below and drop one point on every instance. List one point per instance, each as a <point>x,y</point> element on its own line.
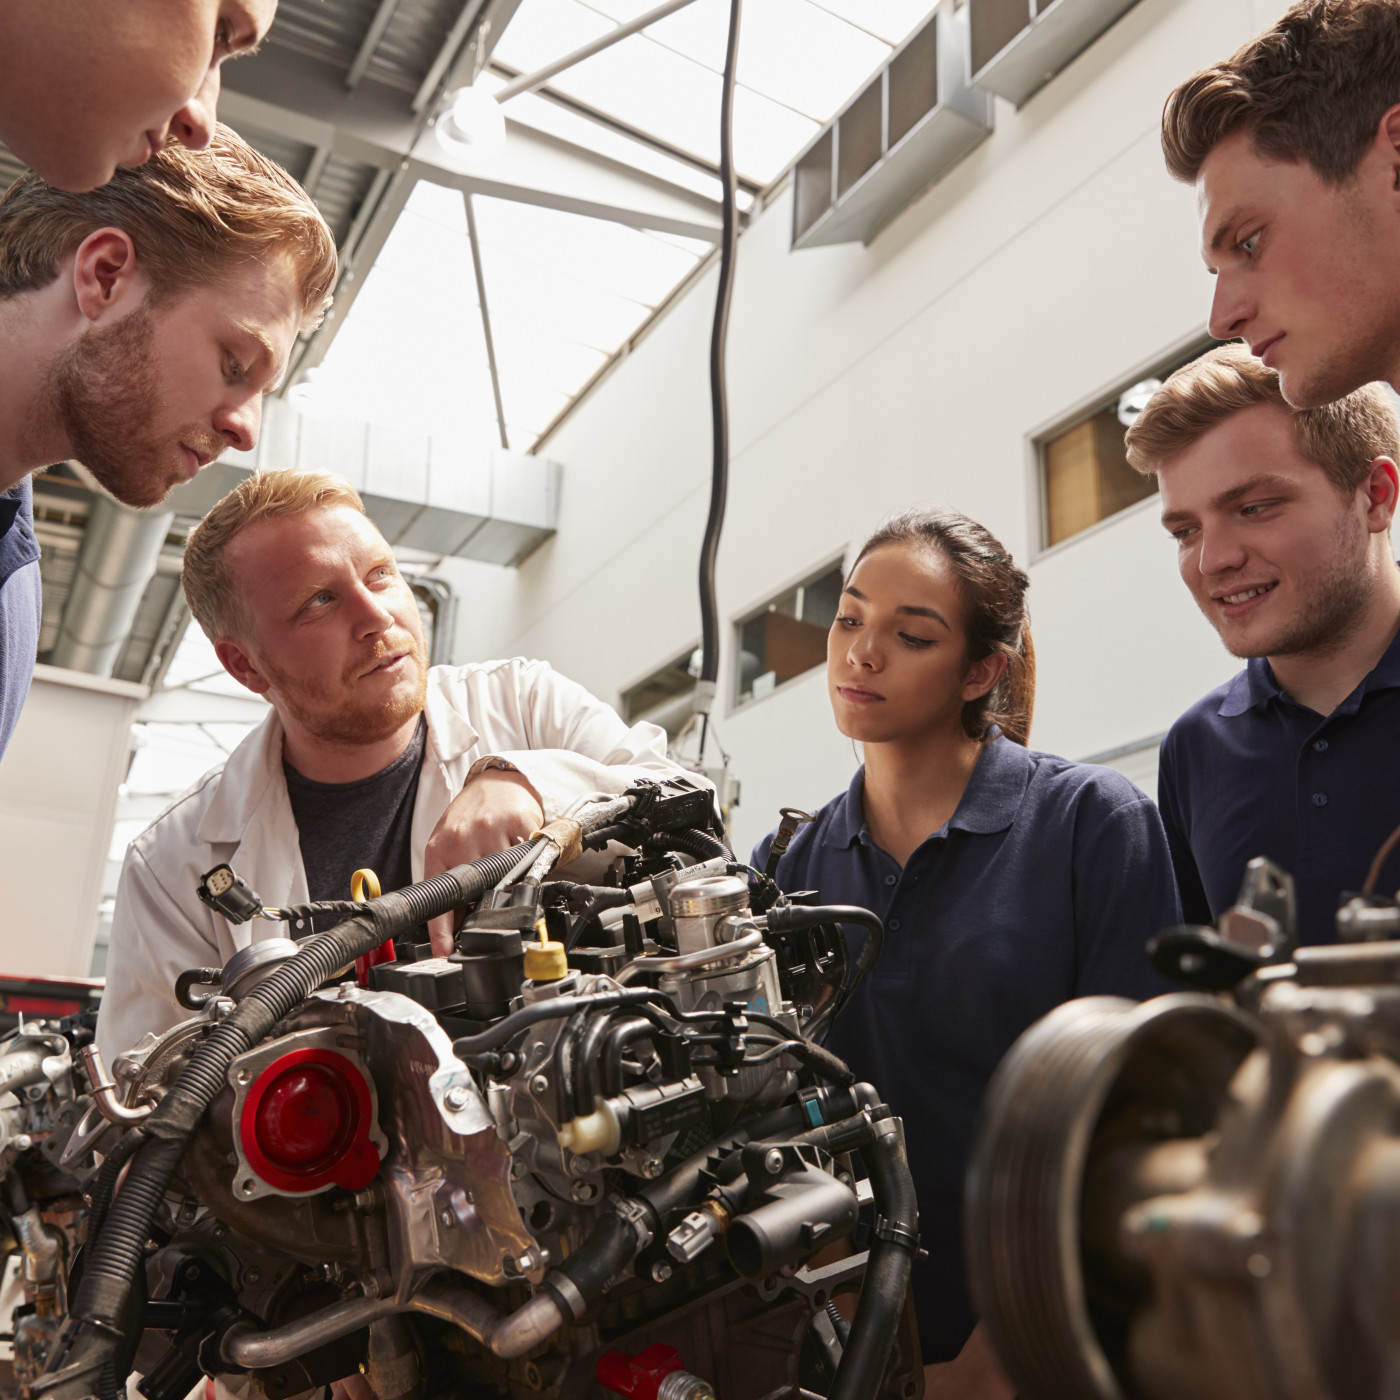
<point>886,1283</point>
<point>118,1252</point>
<point>692,842</point>
<point>790,917</point>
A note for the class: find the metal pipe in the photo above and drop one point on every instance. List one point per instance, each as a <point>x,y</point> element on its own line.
<point>104,1090</point>
<point>370,43</point>
<point>116,561</point>
<point>528,82</point>
<point>480,275</point>
<point>507,1335</point>
<point>683,961</point>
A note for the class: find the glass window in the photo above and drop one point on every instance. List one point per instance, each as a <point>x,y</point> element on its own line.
<point>665,696</point>
<point>786,637</point>
<point>1084,471</point>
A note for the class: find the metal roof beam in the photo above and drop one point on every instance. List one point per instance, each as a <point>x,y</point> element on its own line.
<point>370,43</point>
<point>305,100</point>
<point>528,82</point>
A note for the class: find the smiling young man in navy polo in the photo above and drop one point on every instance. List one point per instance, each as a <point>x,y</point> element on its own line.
<point>1282,520</point>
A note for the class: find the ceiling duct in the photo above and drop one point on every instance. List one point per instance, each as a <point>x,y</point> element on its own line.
<point>1017,46</point>
<point>910,125</point>
<point>433,494</point>
<point>117,559</point>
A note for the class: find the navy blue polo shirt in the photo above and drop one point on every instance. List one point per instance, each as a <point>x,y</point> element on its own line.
<point>1247,771</point>
<point>1045,884</point>
<point>20,600</point>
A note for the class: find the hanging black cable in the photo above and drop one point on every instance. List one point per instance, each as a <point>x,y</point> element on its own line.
<point>719,405</point>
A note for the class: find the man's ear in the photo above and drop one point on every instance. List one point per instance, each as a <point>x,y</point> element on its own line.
<point>1388,146</point>
<point>236,661</point>
<point>106,275</point>
<point>982,676</point>
<point>1381,488</point>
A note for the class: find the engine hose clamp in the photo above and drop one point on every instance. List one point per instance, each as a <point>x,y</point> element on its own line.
<point>566,1291</point>
<point>635,1214</point>
<point>891,1232</point>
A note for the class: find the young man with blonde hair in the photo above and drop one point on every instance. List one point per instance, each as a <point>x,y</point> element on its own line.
<point>86,85</point>
<point>1282,521</point>
<point>1293,145</point>
<point>369,758</point>
<point>140,326</point>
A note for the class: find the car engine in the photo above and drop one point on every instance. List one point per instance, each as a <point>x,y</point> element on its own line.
<point>1198,1197</point>
<point>597,1150</point>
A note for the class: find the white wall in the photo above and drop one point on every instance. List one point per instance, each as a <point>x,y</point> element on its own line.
<point>58,794</point>
<point>1047,268</point>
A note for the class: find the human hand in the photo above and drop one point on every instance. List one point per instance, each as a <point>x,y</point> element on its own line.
<point>973,1374</point>
<point>496,809</point>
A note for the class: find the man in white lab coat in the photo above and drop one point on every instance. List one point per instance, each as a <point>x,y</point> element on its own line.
<point>369,758</point>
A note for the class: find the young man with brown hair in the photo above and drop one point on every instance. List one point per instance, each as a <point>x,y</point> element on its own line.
<point>86,86</point>
<point>140,325</point>
<point>369,758</point>
<point>1293,145</point>
<point>1282,522</point>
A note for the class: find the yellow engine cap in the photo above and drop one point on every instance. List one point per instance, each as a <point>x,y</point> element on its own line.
<point>545,961</point>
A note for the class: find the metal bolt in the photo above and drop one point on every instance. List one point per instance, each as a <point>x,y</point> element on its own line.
<point>251,1276</point>
<point>457,1097</point>
<point>584,1191</point>
<point>446,1219</point>
<point>540,1084</point>
<point>661,1271</point>
<point>243,1076</point>
<point>517,1168</point>
<point>652,1168</point>
<point>773,1161</point>
<point>247,1186</point>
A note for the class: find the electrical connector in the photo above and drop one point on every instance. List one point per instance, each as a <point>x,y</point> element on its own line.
<point>224,892</point>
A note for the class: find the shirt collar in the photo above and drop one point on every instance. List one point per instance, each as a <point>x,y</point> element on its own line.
<point>1256,685</point>
<point>989,803</point>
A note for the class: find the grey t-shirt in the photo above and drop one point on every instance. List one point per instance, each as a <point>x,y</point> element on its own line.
<point>344,827</point>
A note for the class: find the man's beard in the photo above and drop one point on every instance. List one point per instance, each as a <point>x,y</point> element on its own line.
<point>1334,605</point>
<point>328,713</point>
<point>107,399</point>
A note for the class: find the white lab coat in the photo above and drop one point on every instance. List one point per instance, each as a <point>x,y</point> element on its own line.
<point>564,740</point>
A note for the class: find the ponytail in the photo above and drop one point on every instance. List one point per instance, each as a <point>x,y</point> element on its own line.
<point>994,597</point>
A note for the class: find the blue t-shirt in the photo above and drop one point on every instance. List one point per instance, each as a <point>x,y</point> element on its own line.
<point>20,603</point>
<point>1247,771</point>
<point>1045,885</point>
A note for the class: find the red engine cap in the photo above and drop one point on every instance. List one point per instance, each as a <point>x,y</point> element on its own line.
<point>306,1120</point>
<point>639,1377</point>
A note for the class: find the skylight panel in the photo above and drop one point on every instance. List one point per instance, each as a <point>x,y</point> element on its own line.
<point>791,51</point>
<point>891,20</point>
<point>599,253</point>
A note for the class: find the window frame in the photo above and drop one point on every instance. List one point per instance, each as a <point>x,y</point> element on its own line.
<point>1157,366</point>
<point>835,561</point>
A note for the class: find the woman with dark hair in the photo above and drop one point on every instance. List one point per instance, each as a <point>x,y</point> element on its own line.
<point>1009,881</point>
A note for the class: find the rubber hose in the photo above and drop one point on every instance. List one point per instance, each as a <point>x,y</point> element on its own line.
<point>565,1051</point>
<point>791,917</point>
<point>603,899</point>
<point>106,1181</point>
<point>187,981</point>
<point>608,1250</point>
<point>117,1254</point>
<point>622,1031</point>
<point>554,1009</point>
<point>585,1063</point>
<point>886,1283</point>
<point>692,842</point>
